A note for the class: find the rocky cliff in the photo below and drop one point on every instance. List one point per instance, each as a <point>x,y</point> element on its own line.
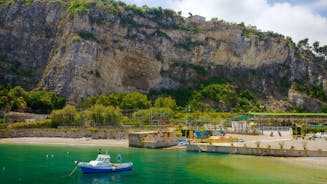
<point>83,48</point>
<point>27,34</point>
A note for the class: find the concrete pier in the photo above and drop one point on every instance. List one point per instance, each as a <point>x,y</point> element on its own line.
<point>255,151</point>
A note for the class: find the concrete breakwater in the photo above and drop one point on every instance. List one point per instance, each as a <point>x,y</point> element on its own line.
<point>152,139</point>
<point>255,151</point>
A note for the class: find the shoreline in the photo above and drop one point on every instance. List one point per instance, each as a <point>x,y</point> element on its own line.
<point>306,162</point>
<point>66,141</point>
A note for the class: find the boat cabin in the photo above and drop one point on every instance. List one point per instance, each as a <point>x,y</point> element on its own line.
<point>103,158</point>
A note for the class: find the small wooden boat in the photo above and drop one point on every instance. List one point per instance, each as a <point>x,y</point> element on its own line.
<point>103,165</point>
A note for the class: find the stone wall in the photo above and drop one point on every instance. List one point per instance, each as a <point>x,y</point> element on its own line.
<point>12,117</point>
<point>65,132</point>
<point>104,132</point>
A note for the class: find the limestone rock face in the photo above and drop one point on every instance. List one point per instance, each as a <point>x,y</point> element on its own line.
<point>98,51</point>
<point>27,35</point>
<point>305,102</point>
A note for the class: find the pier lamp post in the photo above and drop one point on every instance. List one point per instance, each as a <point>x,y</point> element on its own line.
<point>190,117</point>
<point>261,124</point>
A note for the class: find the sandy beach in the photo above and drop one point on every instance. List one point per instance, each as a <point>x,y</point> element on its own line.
<point>66,141</point>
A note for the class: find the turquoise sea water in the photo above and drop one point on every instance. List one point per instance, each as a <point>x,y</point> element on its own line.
<point>51,164</point>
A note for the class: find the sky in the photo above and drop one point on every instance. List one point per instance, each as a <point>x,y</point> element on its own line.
<point>298,19</point>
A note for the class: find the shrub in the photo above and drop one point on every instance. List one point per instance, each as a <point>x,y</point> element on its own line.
<point>4,3</point>
<point>76,39</point>
<point>93,129</point>
<point>66,116</point>
<point>86,35</point>
<point>3,125</point>
<point>135,100</point>
<point>181,95</point>
<point>168,102</point>
<point>258,143</point>
<point>161,34</point>
<point>102,115</point>
<point>247,94</point>
<point>78,6</point>
<point>250,32</point>
<point>188,44</point>
<point>137,124</point>
<point>126,121</point>
<point>112,115</point>
<point>74,129</point>
<point>37,124</point>
<point>156,114</point>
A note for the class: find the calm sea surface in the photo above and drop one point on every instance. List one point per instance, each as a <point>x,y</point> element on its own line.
<point>51,164</point>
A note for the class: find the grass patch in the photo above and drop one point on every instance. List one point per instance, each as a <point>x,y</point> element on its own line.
<point>286,114</point>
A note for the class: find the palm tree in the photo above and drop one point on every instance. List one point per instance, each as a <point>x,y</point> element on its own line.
<point>281,145</point>
<point>304,144</point>
<point>258,143</point>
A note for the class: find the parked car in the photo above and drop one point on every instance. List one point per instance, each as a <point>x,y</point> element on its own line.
<point>240,140</point>
<point>320,135</point>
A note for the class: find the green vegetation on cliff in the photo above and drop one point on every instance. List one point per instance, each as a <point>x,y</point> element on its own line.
<point>314,91</point>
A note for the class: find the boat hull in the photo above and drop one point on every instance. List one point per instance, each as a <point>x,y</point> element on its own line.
<point>88,169</point>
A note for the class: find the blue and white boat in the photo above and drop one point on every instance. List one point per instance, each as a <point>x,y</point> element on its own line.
<point>103,165</point>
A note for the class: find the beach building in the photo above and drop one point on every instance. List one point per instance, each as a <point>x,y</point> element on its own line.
<point>243,124</point>
<point>197,19</point>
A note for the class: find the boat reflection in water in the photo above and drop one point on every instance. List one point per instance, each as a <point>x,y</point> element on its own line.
<point>104,178</point>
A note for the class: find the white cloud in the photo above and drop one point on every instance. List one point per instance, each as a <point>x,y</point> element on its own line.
<point>298,21</point>
<point>321,3</point>
<point>245,10</point>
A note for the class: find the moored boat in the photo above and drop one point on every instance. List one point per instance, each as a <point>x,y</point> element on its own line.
<point>102,164</point>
